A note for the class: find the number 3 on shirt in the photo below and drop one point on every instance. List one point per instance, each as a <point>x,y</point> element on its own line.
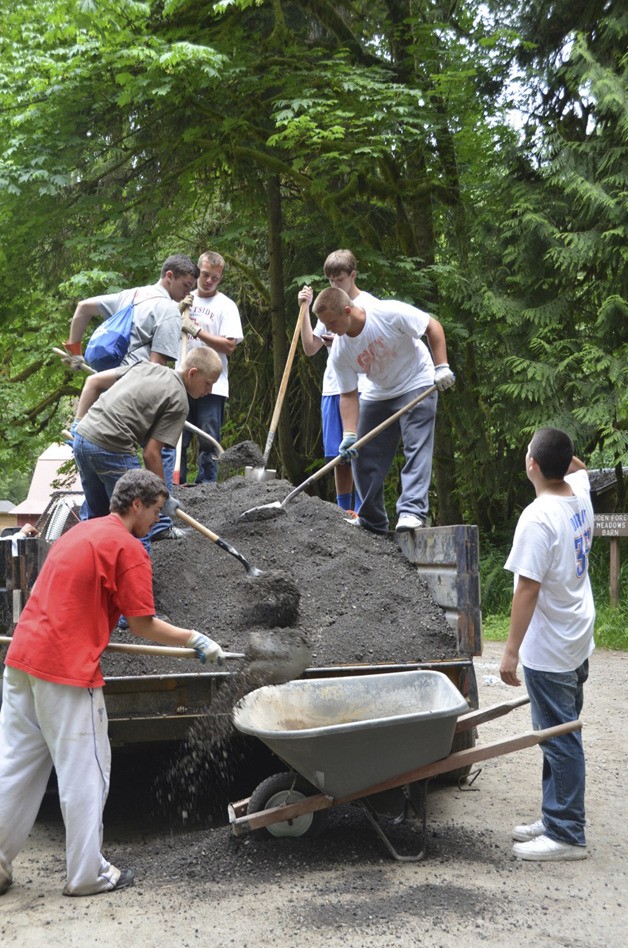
<point>582,545</point>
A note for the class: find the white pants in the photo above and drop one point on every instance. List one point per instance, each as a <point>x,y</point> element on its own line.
<point>44,724</point>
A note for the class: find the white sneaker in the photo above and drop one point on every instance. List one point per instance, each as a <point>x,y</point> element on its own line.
<point>544,849</point>
<point>525,833</point>
<point>408,522</point>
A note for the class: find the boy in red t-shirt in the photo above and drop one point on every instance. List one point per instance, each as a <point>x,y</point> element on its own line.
<point>53,711</point>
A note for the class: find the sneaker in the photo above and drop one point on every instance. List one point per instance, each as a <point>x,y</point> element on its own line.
<point>524,833</point>
<point>172,533</point>
<point>408,522</point>
<point>5,883</point>
<point>352,521</point>
<point>125,880</point>
<point>122,623</point>
<point>544,849</point>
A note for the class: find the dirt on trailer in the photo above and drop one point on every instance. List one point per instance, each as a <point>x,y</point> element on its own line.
<point>352,594</point>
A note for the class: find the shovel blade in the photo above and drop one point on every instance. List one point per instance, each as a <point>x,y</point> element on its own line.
<point>264,512</point>
<point>277,656</point>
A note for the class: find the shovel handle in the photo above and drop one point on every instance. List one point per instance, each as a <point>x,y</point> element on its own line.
<point>172,651</point>
<point>85,367</point>
<point>284,381</point>
<point>358,444</point>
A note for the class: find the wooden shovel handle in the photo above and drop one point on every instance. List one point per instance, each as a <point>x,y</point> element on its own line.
<point>284,381</point>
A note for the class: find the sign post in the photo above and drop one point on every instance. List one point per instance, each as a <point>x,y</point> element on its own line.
<point>614,526</point>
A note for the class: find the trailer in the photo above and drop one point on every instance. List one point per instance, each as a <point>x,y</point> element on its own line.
<point>150,709</point>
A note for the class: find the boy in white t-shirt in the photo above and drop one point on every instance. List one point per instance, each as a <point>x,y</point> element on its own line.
<point>340,268</point>
<point>551,631</point>
<point>377,339</point>
<point>213,321</point>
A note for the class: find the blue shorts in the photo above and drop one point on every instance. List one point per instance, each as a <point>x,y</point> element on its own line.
<point>332,424</point>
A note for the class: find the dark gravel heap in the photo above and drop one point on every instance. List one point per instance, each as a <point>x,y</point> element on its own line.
<point>360,599</point>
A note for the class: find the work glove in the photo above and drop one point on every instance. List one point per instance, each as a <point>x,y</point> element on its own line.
<point>443,377</point>
<point>170,508</point>
<point>186,302</point>
<point>73,360</point>
<point>189,326</point>
<point>70,441</point>
<point>346,450</point>
<point>206,648</point>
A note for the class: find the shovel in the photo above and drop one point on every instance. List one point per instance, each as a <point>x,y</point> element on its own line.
<point>259,473</point>
<point>227,547</point>
<point>268,658</point>
<point>267,511</point>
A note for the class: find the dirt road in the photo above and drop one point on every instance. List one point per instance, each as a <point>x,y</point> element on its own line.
<point>205,888</point>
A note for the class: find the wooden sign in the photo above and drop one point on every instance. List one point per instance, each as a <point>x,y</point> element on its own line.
<point>611,525</point>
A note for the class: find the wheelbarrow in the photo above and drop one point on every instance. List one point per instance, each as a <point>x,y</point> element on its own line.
<point>348,739</point>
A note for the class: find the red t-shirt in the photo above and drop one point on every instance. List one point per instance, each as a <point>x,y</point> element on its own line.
<point>94,573</point>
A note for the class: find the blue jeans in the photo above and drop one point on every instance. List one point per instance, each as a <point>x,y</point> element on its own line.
<point>555,698</point>
<point>100,471</point>
<point>208,414</point>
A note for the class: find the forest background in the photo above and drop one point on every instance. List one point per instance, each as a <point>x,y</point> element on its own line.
<point>471,154</point>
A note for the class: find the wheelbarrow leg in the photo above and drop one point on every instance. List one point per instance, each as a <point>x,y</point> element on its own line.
<point>417,796</point>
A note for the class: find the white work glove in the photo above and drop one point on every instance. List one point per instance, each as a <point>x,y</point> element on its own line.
<point>171,506</point>
<point>206,649</point>
<point>73,360</point>
<point>443,377</point>
<point>189,326</point>
<point>346,450</point>
<point>186,302</point>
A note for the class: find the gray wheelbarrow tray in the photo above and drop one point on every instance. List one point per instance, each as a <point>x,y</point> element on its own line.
<point>351,738</point>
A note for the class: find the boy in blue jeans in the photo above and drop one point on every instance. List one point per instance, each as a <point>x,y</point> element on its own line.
<point>551,631</point>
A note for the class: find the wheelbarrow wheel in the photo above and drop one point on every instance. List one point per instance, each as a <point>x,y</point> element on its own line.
<point>278,790</point>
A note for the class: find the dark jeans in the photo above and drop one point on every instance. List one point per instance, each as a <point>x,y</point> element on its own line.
<point>208,414</point>
<point>100,471</point>
<point>555,698</point>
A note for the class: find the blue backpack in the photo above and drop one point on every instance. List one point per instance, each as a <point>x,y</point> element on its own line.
<point>110,341</point>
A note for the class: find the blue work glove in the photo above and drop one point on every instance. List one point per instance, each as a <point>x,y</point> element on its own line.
<point>443,377</point>
<point>346,450</point>
<point>70,441</point>
<point>206,649</point>
<point>170,508</point>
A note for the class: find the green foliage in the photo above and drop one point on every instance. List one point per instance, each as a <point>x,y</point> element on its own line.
<point>275,132</point>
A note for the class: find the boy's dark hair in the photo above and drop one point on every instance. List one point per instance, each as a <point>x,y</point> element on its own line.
<point>180,265</point>
<point>553,450</point>
<point>339,261</point>
<point>138,484</point>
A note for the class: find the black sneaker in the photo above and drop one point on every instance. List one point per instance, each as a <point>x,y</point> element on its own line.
<point>126,880</point>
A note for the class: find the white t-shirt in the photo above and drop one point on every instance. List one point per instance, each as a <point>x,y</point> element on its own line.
<point>220,316</point>
<point>385,352</point>
<point>331,385</point>
<point>551,546</point>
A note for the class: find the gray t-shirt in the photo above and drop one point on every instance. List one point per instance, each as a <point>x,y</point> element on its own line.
<point>156,321</point>
<point>147,401</point>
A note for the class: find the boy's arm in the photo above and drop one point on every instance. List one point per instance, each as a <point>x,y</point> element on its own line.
<point>436,338</point>
<point>311,343</point>
<point>523,605</point>
<point>349,410</point>
<point>94,386</point>
<point>576,465</point>
<point>85,310</point>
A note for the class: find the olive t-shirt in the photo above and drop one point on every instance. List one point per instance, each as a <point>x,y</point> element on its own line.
<point>147,401</point>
